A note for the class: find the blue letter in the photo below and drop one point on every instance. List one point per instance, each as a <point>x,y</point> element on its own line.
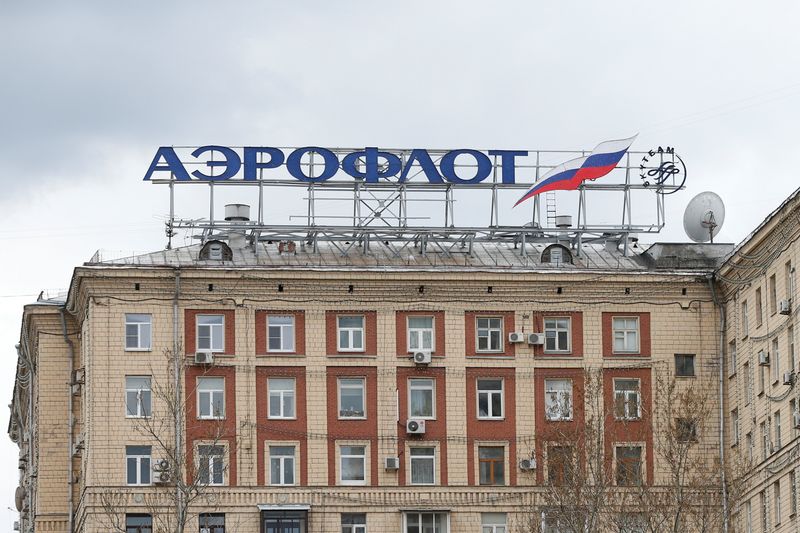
<point>425,163</point>
<point>371,172</point>
<point>507,163</point>
<point>295,169</point>
<point>448,166</point>
<point>251,163</point>
<point>232,162</point>
<point>173,164</point>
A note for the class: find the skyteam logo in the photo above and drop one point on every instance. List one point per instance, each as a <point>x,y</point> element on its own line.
<point>568,176</point>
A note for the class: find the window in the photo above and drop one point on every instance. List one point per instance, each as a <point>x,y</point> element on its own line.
<point>490,334</point>
<point>626,399</point>
<point>745,321</point>
<point>773,295</point>
<point>748,517</point>
<point>764,521</point>
<point>775,361</point>
<point>559,465</point>
<point>211,333</point>
<point>280,333</point>
<point>421,403</point>
<point>354,523</point>
<point>732,358</point>
<point>557,335</point>
<point>686,430</point>
<point>211,397</point>
<point>350,333</point>
<point>423,465</point>
<point>491,465</point>
<point>281,398</point>
<point>759,308</point>
<point>629,465</point>
<point>493,522</point>
<point>138,523</point>
<point>351,398</point>
<point>776,422</point>
<point>137,396</point>
<point>764,440</point>
<point>792,411</point>
<point>633,523</point>
<point>626,334</point>
<point>281,465</point>
<point>137,332</point>
<point>420,333</point>
<point>556,254</point>
<point>793,493</point>
<point>748,384</point>
<point>138,464</point>
<point>751,446</point>
<point>735,426</point>
<point>761,379</point>
<point>558,399</point>
<point>776,502</point>
<point>490,398</point>
<point>561,521</point>
<point>211,464</point>
<point>284,521</point>
<point>426,522</point>
<point>212,523</point>
<point>788,273</point>
<point>790,342</point>
<point>684,365</point>
<point>352,465</point>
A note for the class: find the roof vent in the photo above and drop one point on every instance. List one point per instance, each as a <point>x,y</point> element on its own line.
<point>237,212</point>
<point>216,251</point>
<point>557,254</point>
<point>564,221</point>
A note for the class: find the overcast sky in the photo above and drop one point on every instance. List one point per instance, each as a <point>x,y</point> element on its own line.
<point>89,91</point>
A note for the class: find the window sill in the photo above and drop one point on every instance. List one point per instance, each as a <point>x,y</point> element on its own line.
<point>686,377</point>
<point>731,376</point>
<point>282,418</point>
<point>491,418</point>
<point>354,355</point>
<point>280,354</point>
<point>138,349</point>
<point>353,418</point>
<point>490,356</point>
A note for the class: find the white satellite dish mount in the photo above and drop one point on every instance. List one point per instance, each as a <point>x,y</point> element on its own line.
<point>704,216</point>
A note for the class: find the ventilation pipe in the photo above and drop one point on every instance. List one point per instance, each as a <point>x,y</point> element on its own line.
<point>237,214</point>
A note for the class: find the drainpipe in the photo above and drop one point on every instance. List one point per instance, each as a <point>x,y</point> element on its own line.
<point>721,402</point>
<point>178,414</point>
<point>70,418</point>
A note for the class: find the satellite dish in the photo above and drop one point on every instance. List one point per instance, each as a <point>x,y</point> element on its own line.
<point>704,216</point>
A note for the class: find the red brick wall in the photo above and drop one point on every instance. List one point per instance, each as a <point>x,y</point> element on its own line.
<point>190,329</point>
<point>576,340</point>
<point>370,332</point>
<point>644,334</point>
<point>211,430</point>
<point>491,430</point>
<point>435,430</point>
<point>401,326</point>
<point>299,332</point>
<point>561,431</point>
<point>470,332</point>
<point>628,430</point>
<point>281,430</point>
<point>364,430</point>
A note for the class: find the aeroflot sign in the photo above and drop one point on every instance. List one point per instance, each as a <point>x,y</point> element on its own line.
<point>369,164</point>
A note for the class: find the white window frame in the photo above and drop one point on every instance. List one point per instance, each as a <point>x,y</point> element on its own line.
<point>143,464</point>
<point>627,394</point>
<point>354,527</point>
<point>350,330</point>
<point>560,397</point>
<point>362,385</point>
<point>552,331</point>
<point>745,320</point>
<point>286,463</point>
<point>423,385</point>
<point>445,525</point>
<point>431,458</point>
<point>487,332</point>
<point>209,468</point>
<point>626,333</point>
<point>139,325</point>
<point>362,456</point>
<point>494,523</point>
<point>203,388</point>
<point>142,395</point>
<point>775,360</point>
<point>419,333</point>
<point>283,397</point>
<point>214,331</point>
<point>735,426</point>
<point>489,394</point>
<point>776,425</point>
<point>286,334</point>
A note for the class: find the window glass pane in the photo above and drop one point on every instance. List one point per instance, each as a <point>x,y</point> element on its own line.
<point>420,322</point>
<point>210,319</point>
<point>351,321</point>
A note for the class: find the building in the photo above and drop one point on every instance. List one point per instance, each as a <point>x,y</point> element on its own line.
<point>383,393</point>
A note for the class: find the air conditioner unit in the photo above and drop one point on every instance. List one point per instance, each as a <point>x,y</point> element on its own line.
<point>516,337</point>
<point>162,477</point>
<point>763,358</point>
<point>391,463</point>
<point>76,389</point>
<point>422,358</point>
<point>536,338</point>
<point>785,307</point>
<point>205,530</point>
<point>160,465</point>
<point>416,427</point>
<point>788,378</point>
<point>527,464</point>
<point>204,358</point>
<point>796,416</point>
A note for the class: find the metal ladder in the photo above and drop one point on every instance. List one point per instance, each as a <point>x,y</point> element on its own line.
<point>550,203</point>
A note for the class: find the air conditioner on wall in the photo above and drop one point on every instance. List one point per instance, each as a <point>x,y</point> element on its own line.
<point>416,427</point>
<point>204,358</point>
<point>516,337</point>
<point>422,358</point>
<point>788,378</point>
<point>527,464</point>
<point>162,477</point>
<point>796,416</point>
<point>536,338</point>
<point>785,307</point>
<point>391,463</point>
<point>763,358</point>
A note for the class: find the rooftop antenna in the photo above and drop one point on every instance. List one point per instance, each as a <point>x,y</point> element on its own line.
<point>704,216</point>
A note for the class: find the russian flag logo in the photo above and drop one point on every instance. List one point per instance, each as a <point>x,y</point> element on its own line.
<point>568,176</point>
